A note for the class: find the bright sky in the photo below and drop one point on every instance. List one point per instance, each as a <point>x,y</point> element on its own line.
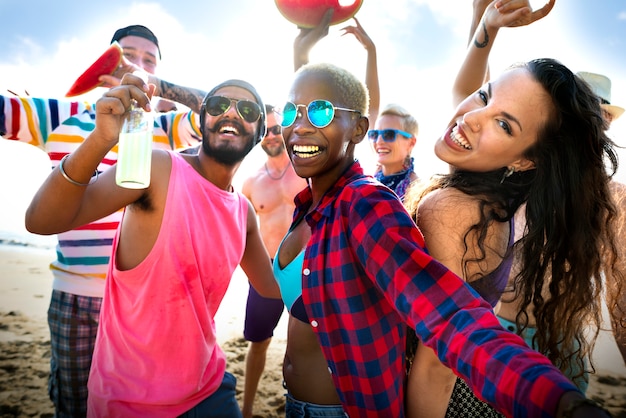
<point>420,43</point>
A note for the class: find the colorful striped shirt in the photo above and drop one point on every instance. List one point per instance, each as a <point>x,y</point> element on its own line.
<point>58,128</point>
<point>366,274</point>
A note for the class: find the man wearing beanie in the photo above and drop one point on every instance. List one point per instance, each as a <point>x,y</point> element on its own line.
<point>177,247</point>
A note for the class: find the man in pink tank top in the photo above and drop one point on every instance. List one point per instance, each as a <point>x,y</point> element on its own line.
<point>174,254</point>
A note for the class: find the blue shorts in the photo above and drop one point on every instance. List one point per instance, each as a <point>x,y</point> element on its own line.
<point>221,403</point>
<point>262,316</point>
<point>298,409</point>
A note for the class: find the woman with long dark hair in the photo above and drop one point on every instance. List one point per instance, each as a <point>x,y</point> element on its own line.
<point>507,156</point>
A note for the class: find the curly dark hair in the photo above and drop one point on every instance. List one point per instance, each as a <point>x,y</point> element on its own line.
<point>569,242</point>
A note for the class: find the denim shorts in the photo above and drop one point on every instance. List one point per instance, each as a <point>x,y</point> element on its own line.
<point>221,404</point>
<point>298,409</point>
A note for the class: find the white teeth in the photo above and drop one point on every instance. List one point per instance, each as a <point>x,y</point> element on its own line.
<point>459,139</point>
<point>229,130</point>
<point>306,148</point>
<point>306,151</point>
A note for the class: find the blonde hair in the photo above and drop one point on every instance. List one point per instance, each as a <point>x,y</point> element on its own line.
<point>350,88</point>
<point>409,123</point>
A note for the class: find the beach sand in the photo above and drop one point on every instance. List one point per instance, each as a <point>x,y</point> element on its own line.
<point>25,287</point>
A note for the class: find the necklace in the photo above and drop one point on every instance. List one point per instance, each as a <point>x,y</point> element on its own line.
<point>281,174</point>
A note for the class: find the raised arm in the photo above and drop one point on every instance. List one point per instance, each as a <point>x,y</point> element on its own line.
<point>497,14</point>
<point>371,69</point>
<point>70,197</point>
<point>188,96</point>
<point>307,38</point>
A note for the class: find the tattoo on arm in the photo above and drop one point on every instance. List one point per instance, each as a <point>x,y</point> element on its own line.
<point>192,98</point>
<point>485,42</point>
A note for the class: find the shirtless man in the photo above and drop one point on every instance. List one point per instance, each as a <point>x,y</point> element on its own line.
<point>271,190</point>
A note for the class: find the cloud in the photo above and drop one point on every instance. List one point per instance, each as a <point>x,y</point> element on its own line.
<point>420,44</point>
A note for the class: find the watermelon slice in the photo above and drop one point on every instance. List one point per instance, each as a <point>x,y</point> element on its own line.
<point>105,65</point>
<point>309,13</point>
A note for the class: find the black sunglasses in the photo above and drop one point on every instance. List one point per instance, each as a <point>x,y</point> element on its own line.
<point>389,135</point>
<point>218,105</point>
<point>274,130</point>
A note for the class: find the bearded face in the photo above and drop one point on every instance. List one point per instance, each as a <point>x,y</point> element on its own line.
<point>222,143</point>
<point>273,149</point>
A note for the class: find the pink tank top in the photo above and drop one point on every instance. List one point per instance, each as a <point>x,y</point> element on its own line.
<point>156,353</point>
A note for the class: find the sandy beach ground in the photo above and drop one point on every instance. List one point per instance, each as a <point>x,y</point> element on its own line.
<point>25,287</point>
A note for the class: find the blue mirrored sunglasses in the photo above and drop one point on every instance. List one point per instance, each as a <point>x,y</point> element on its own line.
<point>389,135</point>
<point>319,112</point>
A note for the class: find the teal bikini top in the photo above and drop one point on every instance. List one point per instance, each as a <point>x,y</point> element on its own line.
<point>290,283</point>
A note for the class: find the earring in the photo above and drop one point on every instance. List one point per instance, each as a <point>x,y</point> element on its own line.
<point>407,161</point>
<point>507,173</point>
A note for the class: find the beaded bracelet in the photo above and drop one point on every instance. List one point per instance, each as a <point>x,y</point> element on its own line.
<point>74,182</point>
<point>569,411</point>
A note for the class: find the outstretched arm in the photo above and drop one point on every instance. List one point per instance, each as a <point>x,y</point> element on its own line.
<point>188,96</point>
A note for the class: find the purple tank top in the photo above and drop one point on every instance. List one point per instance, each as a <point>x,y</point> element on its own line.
<point>491,286</point>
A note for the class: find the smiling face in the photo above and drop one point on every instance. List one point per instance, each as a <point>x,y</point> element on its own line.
<point>272,143</point>
<point>141,52</point>
<point>228,138</point>
<point>494,126</point>
<point>392,155</point>
<point>321,154</point>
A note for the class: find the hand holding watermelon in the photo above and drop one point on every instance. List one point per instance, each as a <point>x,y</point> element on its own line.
<point>115,79</point>
<point>107,63</point>
<point>308,37</point>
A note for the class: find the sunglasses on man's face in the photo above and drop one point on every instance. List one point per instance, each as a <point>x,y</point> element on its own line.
<point>319,112</point>
<point>388,135</point>
<point>218,105</point>
<point>274,130</point>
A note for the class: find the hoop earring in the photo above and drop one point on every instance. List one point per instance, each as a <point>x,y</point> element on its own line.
<point>507,173</point>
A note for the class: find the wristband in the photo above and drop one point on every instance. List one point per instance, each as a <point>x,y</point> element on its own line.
<point>69,179</point>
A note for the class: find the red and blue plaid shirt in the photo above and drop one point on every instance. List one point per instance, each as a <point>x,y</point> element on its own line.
<point>366,274</point>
